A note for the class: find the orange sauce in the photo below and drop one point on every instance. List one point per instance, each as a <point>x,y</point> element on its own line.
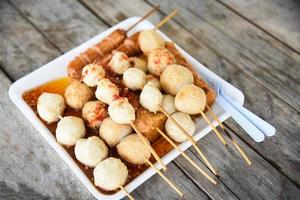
<point>58,86</point>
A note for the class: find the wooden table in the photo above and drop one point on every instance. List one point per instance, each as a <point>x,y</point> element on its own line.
<point>255,45</point>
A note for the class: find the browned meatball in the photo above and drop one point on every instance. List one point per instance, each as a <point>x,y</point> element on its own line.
<point>147,122</point>
<point>93,112</point>
<point>77,94</point>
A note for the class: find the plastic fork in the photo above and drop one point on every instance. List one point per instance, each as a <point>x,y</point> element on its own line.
<point>254,126</point>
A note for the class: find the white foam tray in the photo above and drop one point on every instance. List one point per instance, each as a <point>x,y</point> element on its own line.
<point>58,68</point>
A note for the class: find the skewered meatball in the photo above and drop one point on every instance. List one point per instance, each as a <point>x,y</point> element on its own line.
<point>185,121</point>
<point>121,111</point>
<point>92,74</point>
<point>119,62</point>
<point>90,151</point>
<point>69,130</point>
<point>151,98</point>
<point>106,91</point>
<point>134,78</point>
<point>150,40</point>
<point>146,122</point>
<point>50,106</point>
<point>158,59</point>
<point>110,174</point>
<point>112,132</point>
<point>93,112</point>
<point>174,77</point>
<point>133,150</point>
<point>139,63</point>
<point>152,81</point>
<point>190,99</point>
<point>77,94</point>
<point>168,104</point>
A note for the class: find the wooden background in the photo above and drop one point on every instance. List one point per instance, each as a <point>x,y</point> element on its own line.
<point>255,45</point>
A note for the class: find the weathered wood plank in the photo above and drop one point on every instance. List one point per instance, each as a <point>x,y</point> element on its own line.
<point>16,48</point>
<point>44,174</point>
<point>259,55</point>
<point>66,24</point>
<point>229,72</point>
<point>279,18</point>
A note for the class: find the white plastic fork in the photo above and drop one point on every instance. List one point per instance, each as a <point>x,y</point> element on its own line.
<point>255,127</point>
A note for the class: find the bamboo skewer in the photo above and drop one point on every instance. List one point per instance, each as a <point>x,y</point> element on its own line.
<point>167,18</point>
<point>237,146</point>
<point>149,147</point>
<point>127,193</point>
<point>191,139</point>
<point>213,127</point>
<point>186,157</point>
<point>165,178</point>
<point>144,17</point>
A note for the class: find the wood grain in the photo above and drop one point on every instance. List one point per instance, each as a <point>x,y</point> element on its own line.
<point>278,18</point>
<point>262,57</point>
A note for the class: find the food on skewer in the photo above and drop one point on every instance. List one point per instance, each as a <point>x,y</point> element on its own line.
<point>185,121</point>
<point>119,62</point>
<point>77,94</point>
<point>175,77</point>
<point>112,41</point>
<point>151,98</point>
<point>147,121</point>
<point>93,112</point>
<point>152,81</point>
<point>121,111</point>
<point>158,59</point>
<point>133,150</point>
<point>168,103</point>
<point>150,40</point>
<point>134,79</point>
<point>92,74</point>
<point>50,106</point>
<point>110,174</point>
<point>90,151</point>
<point>112,133</point>
<point>106,91</point>
<point>190,99</point>
<point>69,130</point>
<point>139,63</point>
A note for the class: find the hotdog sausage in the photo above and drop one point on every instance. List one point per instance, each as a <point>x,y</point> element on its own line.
<point>130,47</point>
<point>98,51</point>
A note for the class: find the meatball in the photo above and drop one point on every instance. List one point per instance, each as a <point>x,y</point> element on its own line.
<point>174,77</point>
<point>168,104</point>
<point>119,62</point>
<point>190,99</point>
<point>93,112</point>
<point>147,122</point>
<point>77,94</point>
<point>90,151</point>
<point>112,133</point>
<point>106,91</point>
<point>158,59</point>
<point>121,111</point>
<point>50,106</point>
<point>134,78</point>
<point>152,81</point>
<point>92,74</point>
<point>133,150</point>
<point>150,40</point>
<point>139,63</point>
<point>185,121</point>
<point>69,130</point>
<point>151,98</point>
<point>110,174</point>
